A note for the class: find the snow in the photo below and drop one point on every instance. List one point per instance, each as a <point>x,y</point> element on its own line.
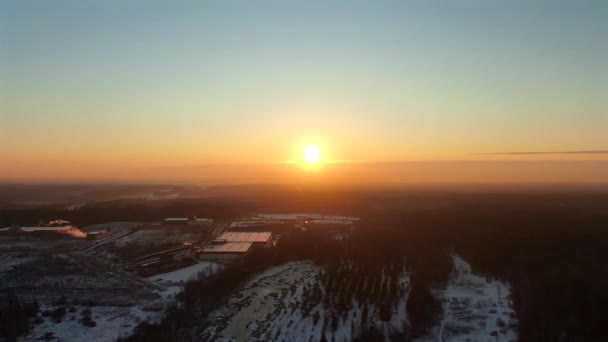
<point>150,237</point>
<point>112,323</point>
<point>474,307</point>
<point>10,260</point>
<point>119,231</point>
<point>246,313</point>
<point>115,227</point>
<point>186,273</point>
<point>271,307</point>
<point>119,321</point>
<point>293,325</point>
<point>172,282</point>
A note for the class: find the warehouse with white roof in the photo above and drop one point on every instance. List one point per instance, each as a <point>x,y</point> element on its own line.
<point>258,239</point>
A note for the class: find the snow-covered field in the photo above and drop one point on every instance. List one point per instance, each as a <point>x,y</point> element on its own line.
<point>111,324</point>
<point>290,303</point>
<point>247,314</point>
<point>149,237</point>
<point>112,321</point>
<point>475,309</point>
<point>271,307</point>
<point>172,282</point>
<point>115,227</point>
<point>10,260</point>
<point>293,324</point>
<point>186,273</point>
<point>276,305</point>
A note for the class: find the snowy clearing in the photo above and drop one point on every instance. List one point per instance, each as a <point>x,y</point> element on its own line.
<point>10,260</point>
<point>277,305</point>
<point>475,309</point>
<point>111,323</point>
<point>151,237</point>
<point>289,303</point>
<point>186,273</point>
<point>172,282</point>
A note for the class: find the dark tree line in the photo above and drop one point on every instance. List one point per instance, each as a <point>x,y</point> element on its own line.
<point>15,317</point>
<point>551,247</point>
<point>366,268</point>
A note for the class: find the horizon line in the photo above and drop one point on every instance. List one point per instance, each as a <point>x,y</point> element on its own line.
<point>539,152</point>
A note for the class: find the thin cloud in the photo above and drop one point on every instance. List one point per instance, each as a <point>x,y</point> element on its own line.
<point>539,152</point>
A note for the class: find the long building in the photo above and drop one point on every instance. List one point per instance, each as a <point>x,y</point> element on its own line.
<point>234,244</point>
<point>43,231</point>
<point>225,250</point>
<point>188,220</point>
<point>176,220</point>
<point>252,224</point>
<point>258,239</point>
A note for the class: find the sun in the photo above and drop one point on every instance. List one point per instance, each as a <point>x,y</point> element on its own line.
<point>311,153</point>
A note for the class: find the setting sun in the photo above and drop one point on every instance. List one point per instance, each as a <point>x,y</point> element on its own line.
<point>311,153</point>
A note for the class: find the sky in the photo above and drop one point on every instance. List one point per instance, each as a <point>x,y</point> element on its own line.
<point>107,89</point>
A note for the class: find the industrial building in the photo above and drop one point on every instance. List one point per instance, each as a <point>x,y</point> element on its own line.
<point>253,224</point>
<point>62,229</point>
<point>200,221</point>
<point>176,220</point>
<point>166,263</point>
<point>188,221</point>
<point>329,225</point>
<point>98,235</point>
<point>258,239</point>
<point>275,226</point>
<point>233,244</point>
<point>225,250</point>
<point>336,222</point>
<point>43,231</point>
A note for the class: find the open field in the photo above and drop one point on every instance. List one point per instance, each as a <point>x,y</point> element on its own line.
<point>474,308</point>
<point>278,305</point>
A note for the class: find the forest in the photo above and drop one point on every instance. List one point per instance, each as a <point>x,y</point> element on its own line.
<point>552,247</point>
